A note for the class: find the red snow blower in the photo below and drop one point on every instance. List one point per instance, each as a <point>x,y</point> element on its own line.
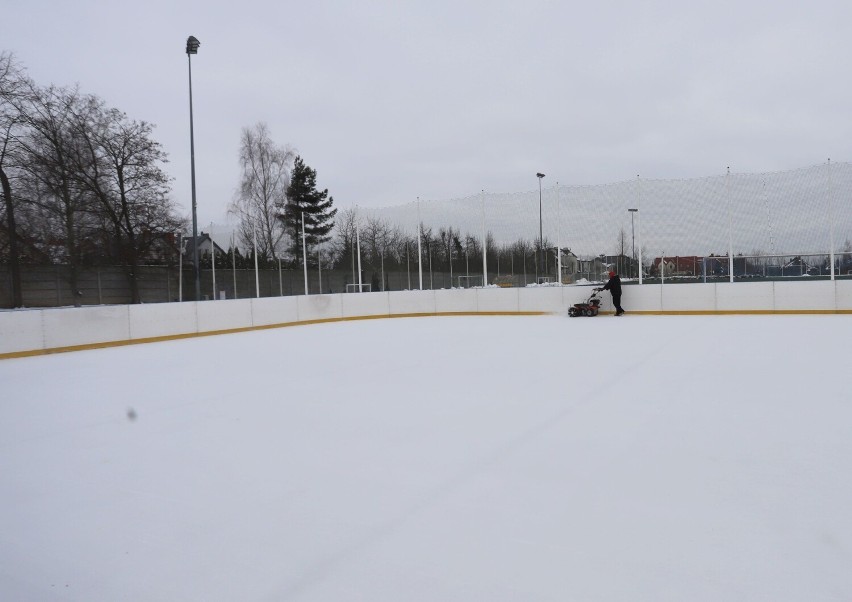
<point>589,308</point>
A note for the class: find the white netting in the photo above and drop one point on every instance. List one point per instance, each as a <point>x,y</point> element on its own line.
<point>786,213</point>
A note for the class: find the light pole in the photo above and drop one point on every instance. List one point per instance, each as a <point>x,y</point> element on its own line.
<point>540,228</point>
<point>633,233</point>
<point>192,45</point>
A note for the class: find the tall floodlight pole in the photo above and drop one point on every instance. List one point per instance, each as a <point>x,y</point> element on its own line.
<point>633,233</point>
<point>540,227</point>
<point>192,45</point>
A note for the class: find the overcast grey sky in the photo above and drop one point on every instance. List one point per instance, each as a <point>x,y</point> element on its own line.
<point>393,100</point>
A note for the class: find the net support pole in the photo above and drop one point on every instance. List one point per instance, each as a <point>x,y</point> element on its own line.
<point>180,267</point>
<point>639,222</point>
<point>358,243</point>
<point>256,271</point>
<point>419,249</point>
<point>730,226</point>
<point>234,264</point>
<point>213,263</point>
<point>831,220</point>
<point>558,240</point>
<point>484,245</point>
<point>304,253</point>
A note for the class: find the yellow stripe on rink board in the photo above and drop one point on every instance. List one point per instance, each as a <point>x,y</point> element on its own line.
<point>208,333</point>
<point>191,335</point>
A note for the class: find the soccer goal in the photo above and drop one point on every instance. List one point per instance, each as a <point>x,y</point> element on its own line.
<point>470,281</point>
<point>354,288</point>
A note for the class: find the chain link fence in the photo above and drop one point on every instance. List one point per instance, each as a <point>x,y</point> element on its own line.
<point>729,227</point>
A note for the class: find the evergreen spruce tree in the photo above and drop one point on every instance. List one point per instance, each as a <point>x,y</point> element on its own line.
<point>303,197</point>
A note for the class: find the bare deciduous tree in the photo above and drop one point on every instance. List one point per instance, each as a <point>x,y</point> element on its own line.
<point>262,195</point>
<point>48,148</point>
<point>11,86</point>
<point>120,164</point>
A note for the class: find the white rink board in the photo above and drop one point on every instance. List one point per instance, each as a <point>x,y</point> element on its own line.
<point>224,315</point>
<point>542,298</point>
<point>32,330</point>
<point>646,297</point>
<point>843,294</point>
<point>365,304</point>
<point>66,327</point>
<point>817,295</point>
<point>274,310</point>
<point>162,319</point>
<point>320,307</point>
<point>411,302</point>
<point>752,296</point>
<point>691,297</point>
<point>21,330</point>
<point>497,299</point>
<point>450,301</point>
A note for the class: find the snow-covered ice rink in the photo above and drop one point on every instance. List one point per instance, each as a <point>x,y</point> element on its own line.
<point>442,459</point>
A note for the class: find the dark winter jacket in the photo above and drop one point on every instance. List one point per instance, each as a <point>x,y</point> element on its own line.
<point>613,286</point>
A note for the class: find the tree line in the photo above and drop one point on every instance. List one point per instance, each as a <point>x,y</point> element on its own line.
<point>82,182</point>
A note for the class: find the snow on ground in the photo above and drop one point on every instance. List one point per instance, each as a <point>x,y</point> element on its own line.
<point>468,458</point>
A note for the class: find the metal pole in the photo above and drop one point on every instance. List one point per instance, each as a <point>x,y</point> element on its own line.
<point>419,250</point>
<point>730,226</point>
<point>280,280</point>
<point>831,219</point>
<point>358,240</point>
<point>180,267</point>
<point>558,240</point>
<point>319,268</point>
<point>639,205</point>
<point>256,272</point>
<point>213,264</point>
<point>633,233</point>
<point>484,245</point>
<point>234,264</point>
<point>196,266</point>
<point>540,228</point>
<point>305,252</point>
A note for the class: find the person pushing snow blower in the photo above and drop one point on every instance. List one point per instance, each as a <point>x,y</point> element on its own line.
<point>614,288</point>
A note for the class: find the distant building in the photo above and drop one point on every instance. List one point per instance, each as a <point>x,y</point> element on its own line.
<point>205,247</point>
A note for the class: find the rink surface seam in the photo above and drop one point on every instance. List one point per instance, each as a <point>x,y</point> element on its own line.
<point>190,335</point>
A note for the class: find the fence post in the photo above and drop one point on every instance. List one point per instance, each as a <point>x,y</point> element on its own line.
<point>639,222</point>
<point>419,247</point>
<point>831,219</point>
<point>484,245</point>
<point>730,226</point>
<point>558,239</point>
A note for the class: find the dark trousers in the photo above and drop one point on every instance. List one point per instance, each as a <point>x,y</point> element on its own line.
<point>616,301</point>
